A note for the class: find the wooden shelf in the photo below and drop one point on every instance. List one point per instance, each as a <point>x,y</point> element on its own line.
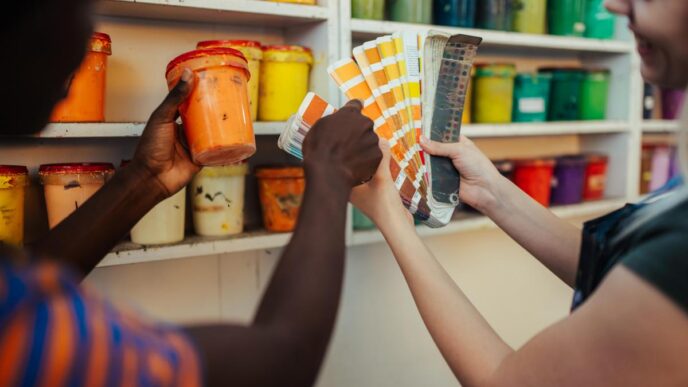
<point>660,126</point>
<point>369,29</point>
<point>129,129</point>
<point>467,222</point>
<point>194,246</point>
<point>254,13</point>
<point>544,129</point>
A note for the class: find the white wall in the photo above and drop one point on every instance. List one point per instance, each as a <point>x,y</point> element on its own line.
<point>380,339</point>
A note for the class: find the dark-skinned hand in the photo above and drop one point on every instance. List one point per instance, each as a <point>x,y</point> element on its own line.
<point>343,143</point>
<point>160,151</point>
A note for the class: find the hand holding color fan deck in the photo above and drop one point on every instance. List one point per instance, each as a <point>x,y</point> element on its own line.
<point>410,85</point>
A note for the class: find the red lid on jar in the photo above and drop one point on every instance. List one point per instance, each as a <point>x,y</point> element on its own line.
<point>534,163</point>
<point>225,43</point>
<point>13,170</point>
<point>101,42</point>
<point>286,47</point>
<point>76,168</point>
<point>199,53</point>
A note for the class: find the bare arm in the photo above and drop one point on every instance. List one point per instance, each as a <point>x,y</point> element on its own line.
<point>552,240</point>
<point>287,341</point>
<point>609,341</point>
<point>160,168</point>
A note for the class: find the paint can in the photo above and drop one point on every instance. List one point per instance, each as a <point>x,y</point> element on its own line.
<point>534,177</point>
<point>531,17</point>
<point>565,93</point>
<point>493,93</point>
<point>455,13</point>
<point>594,94</point>
<point>13,182</point>
<point>217,197</point>
<point>595,177</point>
<point>566,17</point>
<point>531,97</point>
<point>281,192</point>
<point>661,165</point>
<point>284,81</point>
<point>569,180</point>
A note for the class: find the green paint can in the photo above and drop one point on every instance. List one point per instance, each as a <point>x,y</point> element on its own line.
<point>410,11</point>
<point>565,93</point>
<point>594,95</point>
<point>599,23</point>
<point>368,9</point>
<point>566,17</point>
<point>531,97</point>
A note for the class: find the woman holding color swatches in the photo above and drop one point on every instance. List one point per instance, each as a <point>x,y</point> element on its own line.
<point>629,269</point>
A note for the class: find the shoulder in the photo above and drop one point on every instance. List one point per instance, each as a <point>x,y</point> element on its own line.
<point>658,253</point>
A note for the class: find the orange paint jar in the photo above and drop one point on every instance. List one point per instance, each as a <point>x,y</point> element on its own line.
<point>281,191</point>
<point>217,114</point>
<point>85,100</point>
<point>13,182</point>
<point>68,186</point>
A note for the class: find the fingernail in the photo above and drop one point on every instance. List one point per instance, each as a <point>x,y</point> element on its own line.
<point>423,140</point>
<point>186,75</point>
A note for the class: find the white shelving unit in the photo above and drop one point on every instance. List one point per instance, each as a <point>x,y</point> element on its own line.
<point>330,32</point>
<point>467,222</point>
<point>660,126</point>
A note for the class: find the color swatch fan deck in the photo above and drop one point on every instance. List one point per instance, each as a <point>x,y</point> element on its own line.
<point>411,85</point>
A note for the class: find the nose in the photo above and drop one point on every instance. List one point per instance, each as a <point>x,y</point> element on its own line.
<point>619,7</point>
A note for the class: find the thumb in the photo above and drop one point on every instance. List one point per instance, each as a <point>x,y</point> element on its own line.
<point>354,104</point>
<point>383,169</point>
<point>438,148</point>
<point>167,111</point>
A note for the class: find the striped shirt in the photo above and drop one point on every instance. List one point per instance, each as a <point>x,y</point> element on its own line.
<point>53,332</point>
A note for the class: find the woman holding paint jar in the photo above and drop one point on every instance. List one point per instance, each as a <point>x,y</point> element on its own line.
<point>629,325</point>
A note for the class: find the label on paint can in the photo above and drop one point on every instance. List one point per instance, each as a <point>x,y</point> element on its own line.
<point>531,105</point>
<point>579,27</point>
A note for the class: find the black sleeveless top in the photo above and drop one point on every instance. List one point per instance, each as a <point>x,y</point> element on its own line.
<point>651,243</point>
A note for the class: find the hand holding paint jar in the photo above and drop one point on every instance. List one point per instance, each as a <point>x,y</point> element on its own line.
<point>217,114</point>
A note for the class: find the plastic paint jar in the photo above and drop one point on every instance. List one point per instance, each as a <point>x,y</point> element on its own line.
<point>594,94</point>
<point>531,97</point>
<point>13,182</point>
<point>284,81</point>
<point>531,17</point>
<point>164,223</point>
<point>217,114</point>
<point>361,221</point>
<point>496,14</point>
<point>68,186</point>
<point>85,100</point>
<point>599,22</point>
<point>456,13</point>
<point>565,93</point>
<point>410,11</point>
<point>672,101</point>
<point>368,9</point>
<point>595,177</point>
<point>505,168</point>
<point>661,165</point>
<point>566,17</point>
<point>534,177</point>
<point>494,93</point>
<point>569,180</point>
<point>281,191</point>
<point>217,196</point>
<point>253,52</point>
<point>468,101</point>
<point>646,168</point>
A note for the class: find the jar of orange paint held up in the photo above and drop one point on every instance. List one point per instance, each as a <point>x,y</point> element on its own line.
<point>85,101</point>
<point>217,113</point>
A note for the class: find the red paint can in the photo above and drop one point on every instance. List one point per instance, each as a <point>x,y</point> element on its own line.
<point>595,177</point>
<point>534,177</point>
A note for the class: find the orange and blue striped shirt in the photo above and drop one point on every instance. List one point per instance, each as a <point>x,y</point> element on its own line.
<point>53,332</point>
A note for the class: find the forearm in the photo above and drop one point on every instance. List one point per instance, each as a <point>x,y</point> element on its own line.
<point>302,298</point>
<point>86,236</point>
<point>552,240</point>
<point>469,345</point>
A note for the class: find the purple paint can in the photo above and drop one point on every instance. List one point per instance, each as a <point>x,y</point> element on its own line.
<point>569,180</point>
<point>674,167</point>
<point>661,162</point>
<point>672,101</point>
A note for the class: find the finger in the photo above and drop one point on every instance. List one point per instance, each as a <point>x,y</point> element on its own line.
<point>383,169</point>
<point>355,105</point>
<point>439,149</point>
<point>168,109</point>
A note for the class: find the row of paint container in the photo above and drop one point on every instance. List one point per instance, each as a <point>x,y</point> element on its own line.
<point>498,94</point>
<point>586,18</point>
<point>216,196</point>
<point>661,103</point>
<point>563,180</point>
<point>237,82</point>
<point>659,164</point>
